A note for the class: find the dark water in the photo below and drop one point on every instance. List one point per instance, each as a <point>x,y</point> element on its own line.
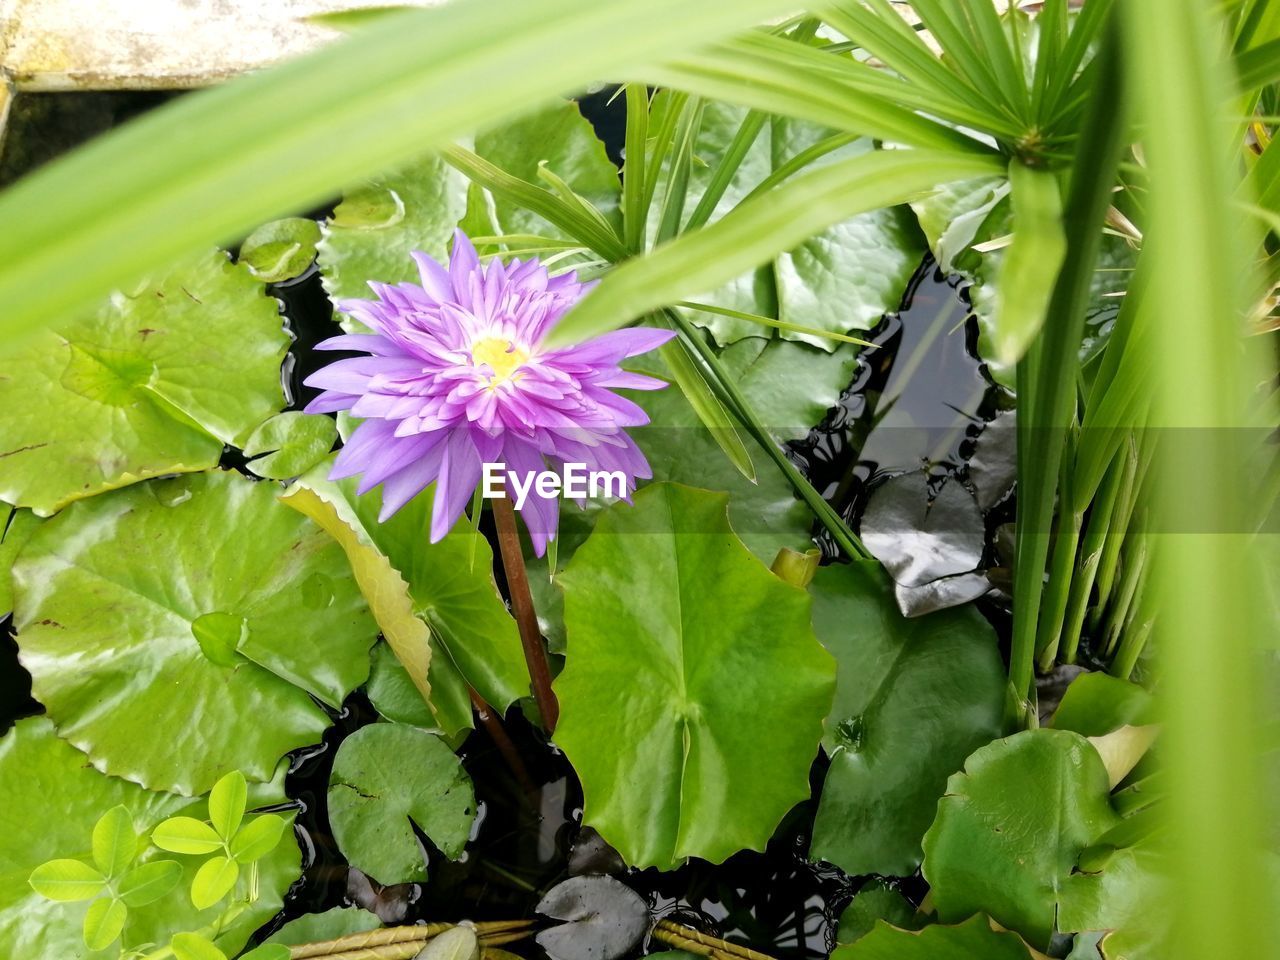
<point>918,400</point>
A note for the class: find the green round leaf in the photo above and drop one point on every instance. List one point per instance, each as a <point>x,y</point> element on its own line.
<point>213,881</point>
<point>1097,703</point>
<point>972,940</point>
<point>662,603</point>
<point>192,946</point>
<point>1128,899</point>
<point>227,801</point>
<point>385,776</point>
<point>186,835</point>
<point>35,765</point>
<point>115,843</point>
<point>914,697</point>
<point>103,922</point>
<point>67,880</point>
<point>392,693</point>
<point>22,523</point>
<point>299,441</point>
<point>155,382</point>
<point>876,900</point>
<point>258,837</point>
<point>1011,827</point>
<point>153,560</point>
<point>377,226</point>
<point>281,250</point>
<point>329,925</point>
<point>149,882</point>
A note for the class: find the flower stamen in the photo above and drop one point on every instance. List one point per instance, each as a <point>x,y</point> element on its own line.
<point>501,356</point>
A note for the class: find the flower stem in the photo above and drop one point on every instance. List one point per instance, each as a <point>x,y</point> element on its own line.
<point>535,654</point>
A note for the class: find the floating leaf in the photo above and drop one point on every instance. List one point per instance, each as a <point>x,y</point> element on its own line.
<point>149,882</point>
<point>378,224</point>
<point>329,925</point>
<point>941,594</point>
<point>919,539</point>
<point>557,137</point>
<point>1098,703</point>
<point>1128,899</point>
<point>605,919</point>
<point>36,765</point>
<point>472,638</point>
<point>973,940</point>
<point>657,602</point>
<point>791,386</point>
<point>193,946</point>
<point>151,561</point>
<point>103,923</point>
<point>876,900</point>
<point>1011,827</point>
<point>292,442</point>
<point>281,250</point>
<point>21,524</point>
<point>67,881</point>
<point>993,467</point>
<point>914,697</point>
<point>186,835</point>
<point>386,779</point>
<point>213,881</point>
<point>392,693</point>
<point>115,843</point>
<point>155,382</point>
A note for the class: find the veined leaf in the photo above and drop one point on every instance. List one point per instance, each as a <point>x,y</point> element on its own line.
<point>217,163</point>
<point>761,228</point>
<point>227,801</point>
<point>67,880</point>
<point>149,882</point>
<point>103,922</point>
<point>114,841</point>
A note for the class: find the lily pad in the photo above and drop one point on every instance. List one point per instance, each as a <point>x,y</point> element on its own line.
<point>1098,703</point>
<point>452,601</point>
<point>281,250</point>
<point>35,766</point>
<point>22,524</point>
<point>790,385</point>
<point>605,919</point>
<point>378,224</point>
<point>290,444</point>
<point>1011,827</point>
<point>388,778</point>
<point>876,900</point>
<point>973,940</point>
<point>993,468</point>
<point>179,629</point>
<point>914,697</point>
<point>919,540</point>
<point>557,137</point>
<point>661,603</point>
<point>155,382</point>
<point>329,925</point>
<point>1128,899</point>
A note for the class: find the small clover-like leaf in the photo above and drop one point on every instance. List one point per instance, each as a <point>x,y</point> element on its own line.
<point>257,838</point>
<point>149,882</point>
<point>186,835</point>
<point>115,842</point>
<point>103,923</point>
<point>213,881</point>
<point>227,803</point>
<point>67,880</point>
<point>192,946</point>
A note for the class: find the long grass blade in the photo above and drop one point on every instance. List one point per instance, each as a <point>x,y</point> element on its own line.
<point>759,229</point>
<point>211,166</point>
<point>1032,262</point>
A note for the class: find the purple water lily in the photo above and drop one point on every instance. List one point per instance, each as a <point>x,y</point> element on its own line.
<point>456,376</point>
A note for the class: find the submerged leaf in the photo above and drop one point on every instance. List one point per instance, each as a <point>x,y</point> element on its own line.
<point>281,250</point>
<point>659,598</point>
<point>290,444</point>
<point>329,925</point>
<point>974,939</point>
<point>151,561</point>
<point>154,382</point>
<point>914,697</point>
<point>606,919</point>
<point>876,900</point>
<point>386,779</point>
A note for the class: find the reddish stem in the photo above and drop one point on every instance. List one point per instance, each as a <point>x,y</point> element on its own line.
<point>535,654</point>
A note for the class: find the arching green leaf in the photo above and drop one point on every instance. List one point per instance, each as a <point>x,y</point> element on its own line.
<point>914,697</point>
<point>658,602</point>
<point>151,561</point>
<point>154,381</point>
<point>386,779</point>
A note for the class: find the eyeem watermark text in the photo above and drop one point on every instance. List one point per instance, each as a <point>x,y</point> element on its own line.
<point>575,482</point>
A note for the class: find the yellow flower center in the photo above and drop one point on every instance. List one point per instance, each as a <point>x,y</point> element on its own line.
<point>501,356</point>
